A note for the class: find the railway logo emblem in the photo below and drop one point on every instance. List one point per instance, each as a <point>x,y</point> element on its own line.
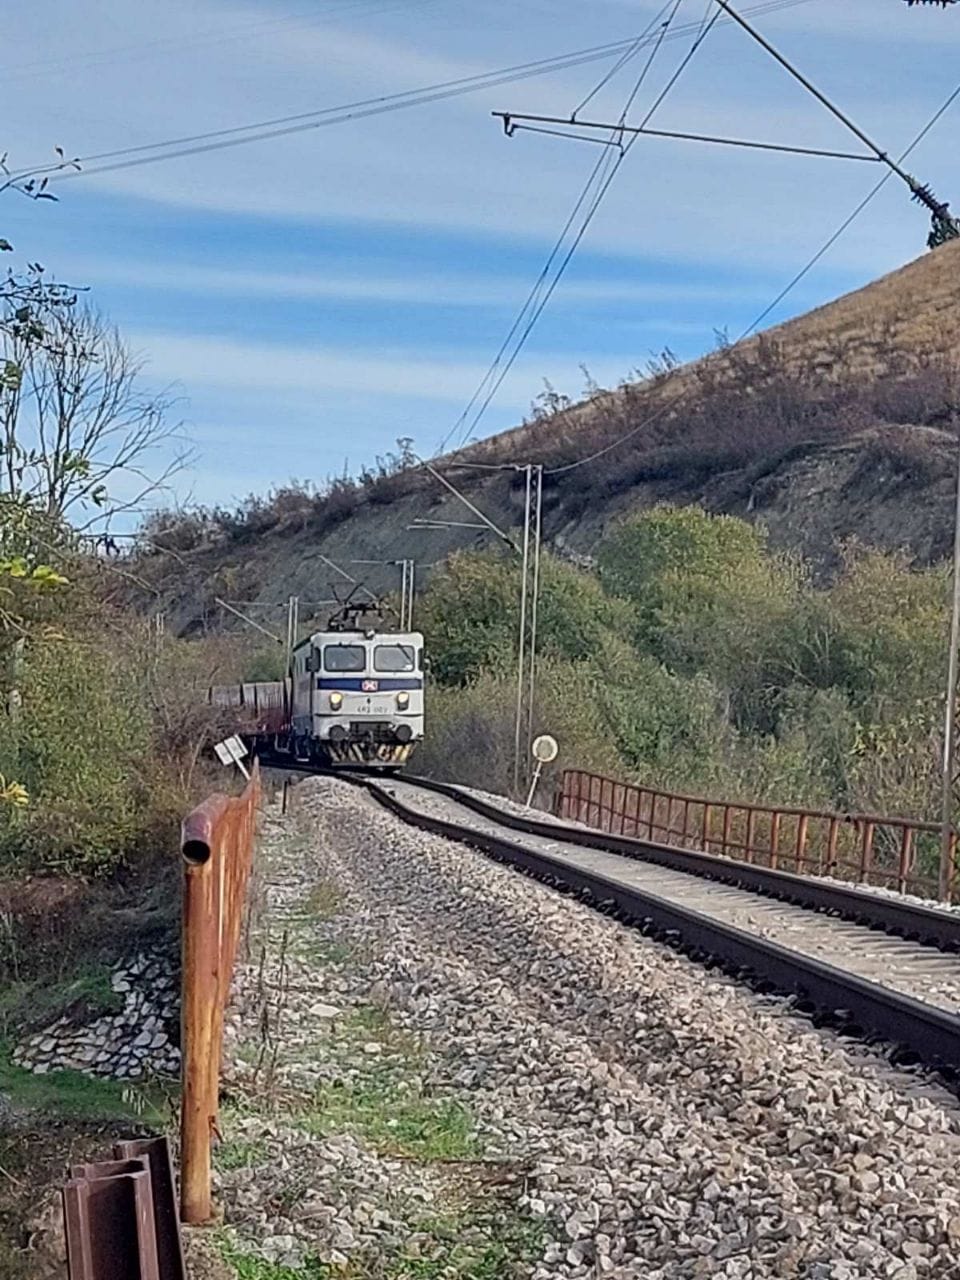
<point>370,686</point>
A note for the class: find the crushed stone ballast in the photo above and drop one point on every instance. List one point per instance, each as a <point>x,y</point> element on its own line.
<point>905,990</point>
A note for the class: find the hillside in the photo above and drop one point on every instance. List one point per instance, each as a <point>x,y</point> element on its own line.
<point>834,425</point>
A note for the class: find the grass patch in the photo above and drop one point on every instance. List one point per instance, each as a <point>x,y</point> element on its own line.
<point>324,899</point>
<point>248,1266</point>
<point>477,1246</point>
<point>14,1263</point>
<point>238,1153</point>
<point>31,1004</point>
<point>323,952</point>
<point>367,1020</point>
<point>395,1117</point>
<point>73,1095</point>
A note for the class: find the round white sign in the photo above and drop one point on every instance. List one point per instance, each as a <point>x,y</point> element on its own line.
<point>545,748</point>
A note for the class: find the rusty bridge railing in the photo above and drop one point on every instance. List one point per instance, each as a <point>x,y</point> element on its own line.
<point>217,846</point>
<point>894,853</point>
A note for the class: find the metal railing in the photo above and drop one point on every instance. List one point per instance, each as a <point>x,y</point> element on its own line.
<point>217,846</point>
<point>894,853</point>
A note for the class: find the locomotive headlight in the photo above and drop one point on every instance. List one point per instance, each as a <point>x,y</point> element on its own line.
<point>403,701</point>
<point>336,701</point>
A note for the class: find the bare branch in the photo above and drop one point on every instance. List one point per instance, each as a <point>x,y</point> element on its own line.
<point>76,429</point>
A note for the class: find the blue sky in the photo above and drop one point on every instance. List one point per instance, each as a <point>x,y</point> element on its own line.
<point>311,298</point>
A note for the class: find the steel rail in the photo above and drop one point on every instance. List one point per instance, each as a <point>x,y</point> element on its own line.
<point>931,925</point>
<point>931,1033</point>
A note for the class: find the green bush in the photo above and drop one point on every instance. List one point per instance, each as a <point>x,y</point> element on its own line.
<point>79,749</point>
<point>699,660</point>
<point>470,728</point>
<point>470,614</point>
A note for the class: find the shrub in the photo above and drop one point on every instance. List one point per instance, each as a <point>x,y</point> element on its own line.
<point>470,729</point>
<point>79,749</point>
<point>470,612</point>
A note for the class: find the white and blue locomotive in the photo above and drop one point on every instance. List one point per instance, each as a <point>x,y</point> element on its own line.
<point>356,696</point>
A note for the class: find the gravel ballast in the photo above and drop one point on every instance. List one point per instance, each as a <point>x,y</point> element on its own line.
<point>667,1122</point>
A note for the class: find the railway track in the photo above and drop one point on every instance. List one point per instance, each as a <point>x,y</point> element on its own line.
<point>886,967</point>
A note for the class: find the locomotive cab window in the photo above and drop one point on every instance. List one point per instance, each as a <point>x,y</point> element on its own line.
<point>394,657</point>
<point>345,657</point>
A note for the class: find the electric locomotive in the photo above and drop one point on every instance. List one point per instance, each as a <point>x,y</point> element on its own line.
<point>356,693</point>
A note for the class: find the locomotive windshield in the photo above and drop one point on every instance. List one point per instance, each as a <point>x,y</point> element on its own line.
<point>344,657</point>
<point>393,657</point>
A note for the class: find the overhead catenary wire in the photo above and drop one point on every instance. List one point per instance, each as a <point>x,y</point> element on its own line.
<point>680,399</point>
<point>533,295</point>
<point>607,181</point>
<point>282,126</point>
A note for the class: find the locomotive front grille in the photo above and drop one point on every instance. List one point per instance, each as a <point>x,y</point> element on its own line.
<point>372,730</point>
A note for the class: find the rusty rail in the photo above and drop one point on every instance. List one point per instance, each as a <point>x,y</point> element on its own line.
<point>894,853</point>
<point>217,846</point>
<point>120,1216</point>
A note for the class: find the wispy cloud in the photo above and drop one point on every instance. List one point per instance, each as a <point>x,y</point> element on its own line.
<point>233,365</point>
<point>423,289</point>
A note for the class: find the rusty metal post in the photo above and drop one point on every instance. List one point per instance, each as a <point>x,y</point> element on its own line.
<point>217,847</point>
<point>775,838</point>
<point>201,953</point>
<point>727,816</point>
<point>109,1222</point>
<point>748,839</point>
<point>156,1151</point>
<point>801,846</point>
<point>866,852</point>
<point>906,848</point>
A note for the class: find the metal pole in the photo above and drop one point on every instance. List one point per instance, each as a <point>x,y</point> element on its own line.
<point>469,505</point>
<point>820,97</point>
<point>947,830</point>
<point>533,785</point>
<point>538,507</point>
<point>521,648</point>
<point>291,634</point>
<point>413,579</point>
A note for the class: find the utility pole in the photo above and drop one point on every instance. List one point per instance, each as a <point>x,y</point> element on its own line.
<point>529,604</point>
<point>411,572</point>
<point>949,778</point>
<point>535,601</point>
<point>522,642</point>
<point>293,623</point>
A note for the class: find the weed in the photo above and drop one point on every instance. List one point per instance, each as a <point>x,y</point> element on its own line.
<point>471,1246</point>
<point>323,952</point>
<point>324,899</point>
<point>249,1266</point>
<point>395,1116</point>
<point>28,1004</point>
<point>72,1094</point>
<point>239,1154</point>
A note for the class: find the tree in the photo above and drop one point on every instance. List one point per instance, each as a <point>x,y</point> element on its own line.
<point>76,430</point>
<point>27,296</point>
<point>470,611</point>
